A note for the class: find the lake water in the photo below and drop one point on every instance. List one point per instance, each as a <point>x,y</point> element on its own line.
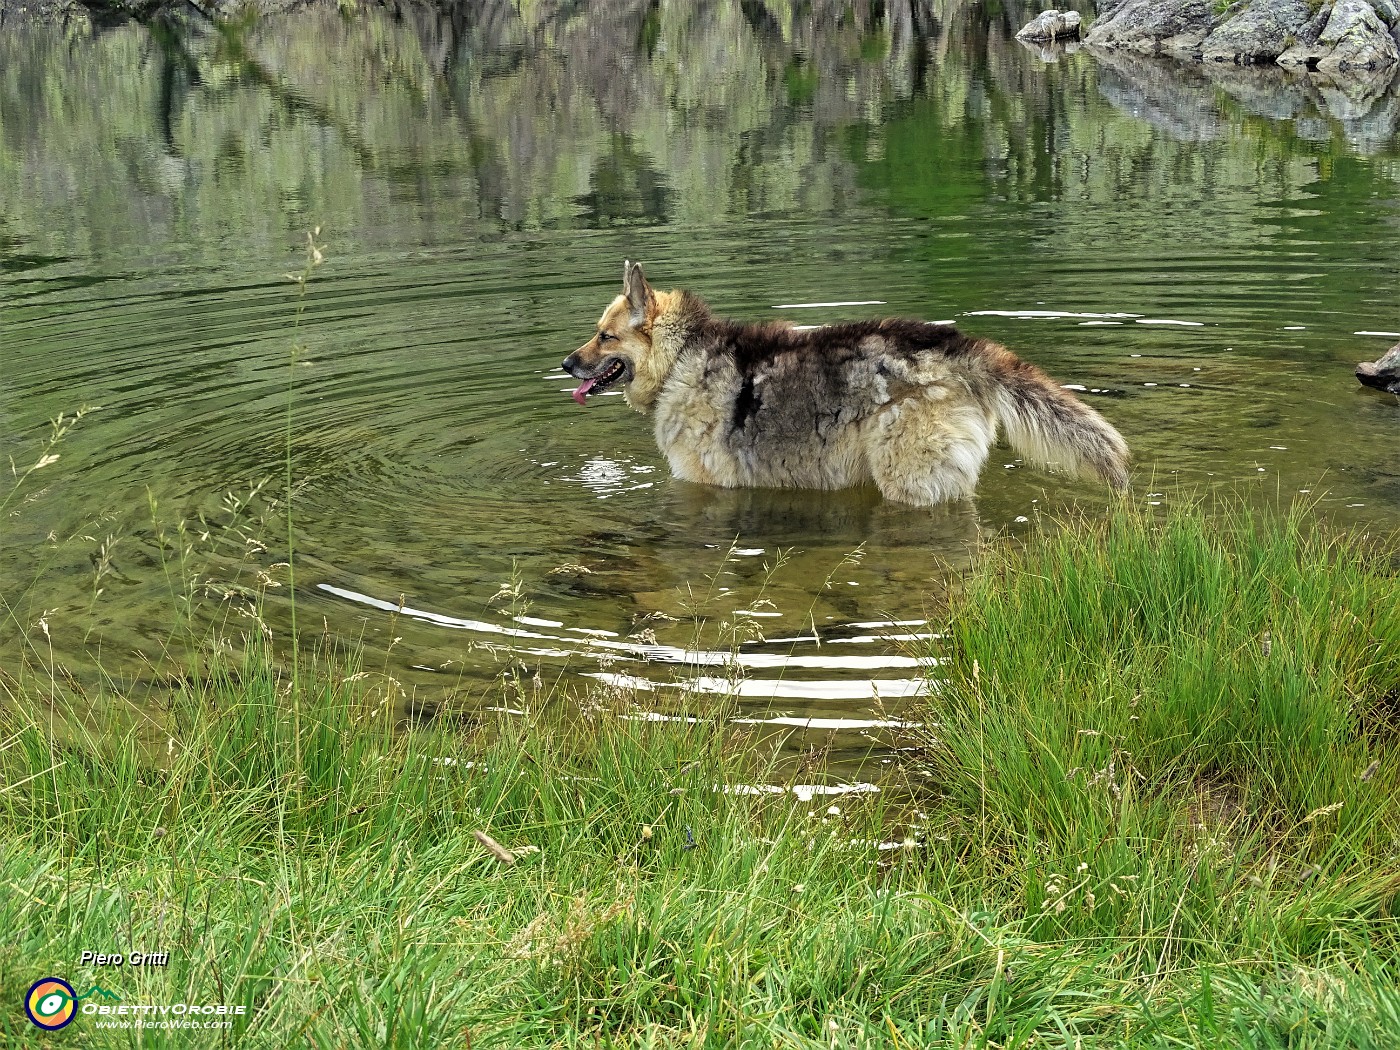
<point>1206,255</point>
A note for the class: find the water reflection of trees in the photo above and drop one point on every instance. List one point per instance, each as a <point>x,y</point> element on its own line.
<point>553,113</point>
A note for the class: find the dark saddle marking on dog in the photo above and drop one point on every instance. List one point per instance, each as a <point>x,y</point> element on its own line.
<point>746,403</point>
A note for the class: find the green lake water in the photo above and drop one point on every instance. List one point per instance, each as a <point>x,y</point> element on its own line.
<point>1206,253</point>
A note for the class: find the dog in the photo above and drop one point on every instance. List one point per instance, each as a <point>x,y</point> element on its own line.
<point>912,407</point>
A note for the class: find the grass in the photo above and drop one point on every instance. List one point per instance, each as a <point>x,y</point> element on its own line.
<point>1153,804</point>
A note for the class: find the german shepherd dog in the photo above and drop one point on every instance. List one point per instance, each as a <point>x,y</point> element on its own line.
<point>913,407</point>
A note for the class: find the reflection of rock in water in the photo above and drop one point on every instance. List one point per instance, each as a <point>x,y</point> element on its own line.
<point>1354,98</point>
<point>1052,51</point>
<point>1267,91</point>
<point>1179,100</point>
<point>1363,104</point>
<point>1313,129</point>
<point>1367,105</point>
<point>1183,102</point>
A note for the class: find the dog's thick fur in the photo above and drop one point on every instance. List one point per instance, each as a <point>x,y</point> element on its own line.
<point>913,407</point>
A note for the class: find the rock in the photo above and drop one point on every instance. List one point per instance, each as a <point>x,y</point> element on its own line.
<point>1387,10</point>
<point>1310,30</point>
<point>1177,26</point>
<point>1051,25</point>
<point>1344,36</point>
<point>1306,51</point>
<point>1358,39</point>
<point>51,12</point>
<point>1260,33</point>
<point>1383,374</point>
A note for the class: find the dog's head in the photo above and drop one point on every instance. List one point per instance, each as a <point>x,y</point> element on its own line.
<point>621,351</point>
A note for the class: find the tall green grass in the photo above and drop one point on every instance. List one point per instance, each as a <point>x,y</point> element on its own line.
<point>1118,825</point>
<point>1237,667</point>
<point>1178,737</point>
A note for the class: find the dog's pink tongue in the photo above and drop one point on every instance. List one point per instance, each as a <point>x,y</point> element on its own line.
<point>582,392</point>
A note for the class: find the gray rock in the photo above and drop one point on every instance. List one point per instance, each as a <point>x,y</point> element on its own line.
<point>1313,27</point>
<point>1358,38</point>
<point>1177,26</point>
<point>1307,51</point>
<point>1051,25</point>
<point>1345,37</point>
<point>1387,10</point>
<point>1383,374</point>
<point>1260,33</point>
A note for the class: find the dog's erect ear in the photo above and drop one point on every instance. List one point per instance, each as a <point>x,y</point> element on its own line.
<point>638,292</point>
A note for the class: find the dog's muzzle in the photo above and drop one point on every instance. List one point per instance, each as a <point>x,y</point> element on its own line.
<point>609,371</point>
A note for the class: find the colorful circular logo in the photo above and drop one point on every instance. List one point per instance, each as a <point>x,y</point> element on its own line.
<point>51,1003</point>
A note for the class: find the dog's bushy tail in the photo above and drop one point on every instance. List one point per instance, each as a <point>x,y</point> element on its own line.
<point>1054,429</point>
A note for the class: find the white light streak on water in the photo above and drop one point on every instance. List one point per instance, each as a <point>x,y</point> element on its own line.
<point>875,624</point>
<point>813,306</point>
<point>1047,314</point>
<point>818,690</point>
<point>535,621</point>
<point>804,792</point>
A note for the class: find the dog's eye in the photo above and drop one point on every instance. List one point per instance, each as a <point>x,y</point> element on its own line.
<point>603,337</point>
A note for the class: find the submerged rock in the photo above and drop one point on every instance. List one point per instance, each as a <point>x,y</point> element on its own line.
<point>1383,374</point>
<point>1051,25</point>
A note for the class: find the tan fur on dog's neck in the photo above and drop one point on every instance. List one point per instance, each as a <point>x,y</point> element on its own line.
<point>665,330</point>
